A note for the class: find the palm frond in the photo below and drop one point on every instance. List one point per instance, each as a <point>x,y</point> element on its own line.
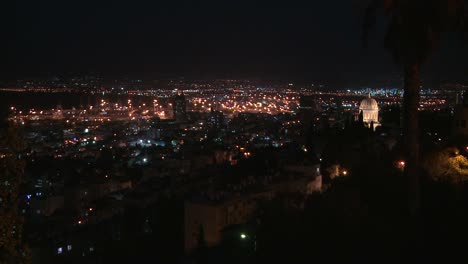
<point>414,26</point>
<point>370,19</point>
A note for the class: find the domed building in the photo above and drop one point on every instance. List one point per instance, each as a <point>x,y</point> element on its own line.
<point>370,112</point>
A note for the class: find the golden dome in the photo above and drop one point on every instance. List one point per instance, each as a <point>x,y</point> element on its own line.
<point>369,104</point>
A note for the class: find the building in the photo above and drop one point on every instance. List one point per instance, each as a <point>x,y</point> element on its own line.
<point>212,216</point>
<point>370,112</point>
<point>213,213</point>
<point>309,113</point>
<point>180,107</point>
<point>309,104</point>
<point>215,119</point>
<point>460,118</point>
<point>48,205</point>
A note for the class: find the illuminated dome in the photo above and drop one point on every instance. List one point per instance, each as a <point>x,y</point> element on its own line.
<point>369,104</point>
<point>370,111</point>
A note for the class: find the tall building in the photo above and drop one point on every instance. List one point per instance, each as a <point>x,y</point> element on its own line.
<point>216,119</point>
<point>308,108</point>
<point>370,112</point>
<point>180,107</point>
<point>309,103</point>
<point>461,116</point>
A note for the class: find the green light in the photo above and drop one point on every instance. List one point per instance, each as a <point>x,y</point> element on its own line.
<point>243,236</point>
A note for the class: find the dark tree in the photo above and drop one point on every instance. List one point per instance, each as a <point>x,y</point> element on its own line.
<point>361,119</point>
<point>413,32</point>
<point>201,237</point>
<point>12,248</point>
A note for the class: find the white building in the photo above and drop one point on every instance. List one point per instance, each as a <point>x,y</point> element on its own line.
<point>370,112</point>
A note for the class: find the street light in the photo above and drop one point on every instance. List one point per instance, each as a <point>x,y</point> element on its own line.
<point>401,164</point>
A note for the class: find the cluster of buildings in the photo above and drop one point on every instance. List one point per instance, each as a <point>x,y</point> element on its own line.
<point>87,166</point>
<point>86,169</point>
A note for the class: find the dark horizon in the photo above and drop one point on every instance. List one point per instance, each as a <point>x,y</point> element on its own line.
<point>297,40</point>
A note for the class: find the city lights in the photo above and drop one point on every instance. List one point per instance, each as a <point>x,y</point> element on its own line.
<point>234,131</point>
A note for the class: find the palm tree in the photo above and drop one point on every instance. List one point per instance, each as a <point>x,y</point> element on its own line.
<point>413,31</point>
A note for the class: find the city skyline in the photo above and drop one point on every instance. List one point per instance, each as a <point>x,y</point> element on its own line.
<point>248,131</point>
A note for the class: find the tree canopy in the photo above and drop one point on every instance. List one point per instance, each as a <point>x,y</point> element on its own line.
<point>414,27</point>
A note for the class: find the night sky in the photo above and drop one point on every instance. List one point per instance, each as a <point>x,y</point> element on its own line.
<point>295,40</point>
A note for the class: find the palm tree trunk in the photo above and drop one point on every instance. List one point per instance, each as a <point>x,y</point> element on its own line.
<point>411,134</point>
